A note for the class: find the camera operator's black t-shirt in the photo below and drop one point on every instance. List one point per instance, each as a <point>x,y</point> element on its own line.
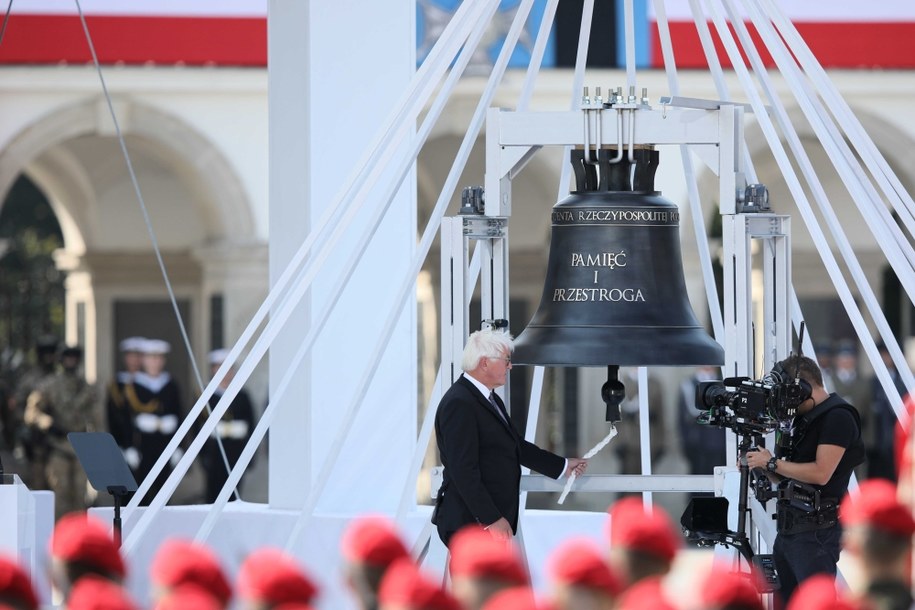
<point>837,426</point>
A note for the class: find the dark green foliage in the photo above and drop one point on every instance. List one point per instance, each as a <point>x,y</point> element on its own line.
<point>31,287</point>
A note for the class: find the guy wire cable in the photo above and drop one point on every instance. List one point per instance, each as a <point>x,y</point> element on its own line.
<point>6,19</point>
<point>803,204</point>
<point>446,45</point>
<point>294,280</point>
<point>477,120</point>
<point>149,227</point>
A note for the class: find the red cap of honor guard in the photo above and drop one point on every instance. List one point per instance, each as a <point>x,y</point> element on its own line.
<point>189,597</point>
<point>516,598</point>
<point>96,593</point>
<point>475,553</point>
<point>273,576</point>
<point>875,503</point>
<point>15,583</point>
<point>649,531</point>
<point>80,538</point>
<point>819,593</point>
<point>404,584</point>
<point>180,562</point>
<point>730,589</point>
<point>374,541</point>
<point>647,593</point>
<point>579,562</point>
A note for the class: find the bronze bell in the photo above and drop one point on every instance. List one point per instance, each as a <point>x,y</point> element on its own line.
<point>614,292</point>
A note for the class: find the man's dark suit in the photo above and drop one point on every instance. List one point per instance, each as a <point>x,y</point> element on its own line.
<point>482,455</point>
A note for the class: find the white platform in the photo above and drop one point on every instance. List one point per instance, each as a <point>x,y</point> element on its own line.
<point>246,526</point>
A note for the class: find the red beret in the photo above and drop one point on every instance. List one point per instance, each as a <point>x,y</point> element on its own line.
<point>189,597</point>
<point>515,598</point>
<point>372,540</point>
<point>476,553</point>
<point>180,562</point>
<point>819,593</point>
<point>875,504</point>
<point>273,576</point>
<point>404,584</point>
<point>95,593</point>
<point>15,583</point>
<point>646,593</point>
<point>579,562</point>
<point>648,531</point>
<point>730,589</point>
<point>80,538</point>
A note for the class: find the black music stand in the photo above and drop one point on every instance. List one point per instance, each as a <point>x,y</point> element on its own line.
<point>106,468</point>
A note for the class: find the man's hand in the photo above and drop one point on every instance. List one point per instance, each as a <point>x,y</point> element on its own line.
<point>758,458</point>
<point>576,465</point>
<point>500,530</point>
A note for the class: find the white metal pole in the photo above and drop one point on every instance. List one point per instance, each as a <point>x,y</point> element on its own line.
<point>578,81</point>
<point>695,204</point>
<point>885,176</point>
<point>413,100</point>
<point>533,68</point>
<point>819,193</point>
<point>645,430</point>
<point>800,198</point>
<point>476,124</point>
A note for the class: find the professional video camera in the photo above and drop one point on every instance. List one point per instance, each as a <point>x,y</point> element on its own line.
<point>752,406</point>
<point>752,409</point>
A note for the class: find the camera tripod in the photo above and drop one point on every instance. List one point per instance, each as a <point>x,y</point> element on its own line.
<point>705,519</point>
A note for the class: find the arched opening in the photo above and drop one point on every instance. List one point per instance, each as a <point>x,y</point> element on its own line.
<point>31,287</point>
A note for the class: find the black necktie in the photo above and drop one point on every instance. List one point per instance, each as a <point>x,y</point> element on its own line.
<point>495,405</point>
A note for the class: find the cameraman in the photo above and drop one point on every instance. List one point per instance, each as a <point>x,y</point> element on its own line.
<point>824,447</point>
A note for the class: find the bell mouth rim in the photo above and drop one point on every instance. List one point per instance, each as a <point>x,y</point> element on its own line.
<point>580,345</point>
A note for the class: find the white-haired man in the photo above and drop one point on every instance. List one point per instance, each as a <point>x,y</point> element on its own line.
<point>480,449</point>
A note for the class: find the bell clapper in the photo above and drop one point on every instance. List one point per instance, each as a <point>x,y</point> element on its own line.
<point>613,392</point>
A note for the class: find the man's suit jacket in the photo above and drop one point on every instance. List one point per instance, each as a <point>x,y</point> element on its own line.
<point>482,455</point>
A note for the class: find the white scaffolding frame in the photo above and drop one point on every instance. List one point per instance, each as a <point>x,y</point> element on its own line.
<point>710,130</point>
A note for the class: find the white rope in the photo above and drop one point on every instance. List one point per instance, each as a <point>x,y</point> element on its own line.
<point>590,454</point>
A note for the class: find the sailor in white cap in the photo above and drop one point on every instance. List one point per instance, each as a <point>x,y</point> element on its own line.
<point>234,428</point>
<point>119,414</point>
<point>155,403</point>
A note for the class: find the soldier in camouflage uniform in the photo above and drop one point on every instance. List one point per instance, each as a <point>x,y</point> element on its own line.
<point>62,404</point>
<point>32,448</point>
